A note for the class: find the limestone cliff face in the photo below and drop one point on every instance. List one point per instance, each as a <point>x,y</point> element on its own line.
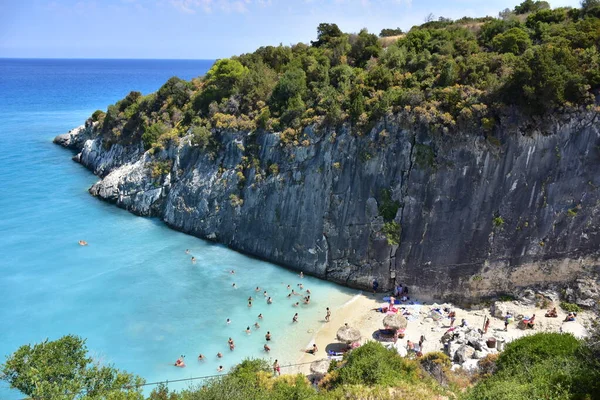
<point>477,216</point>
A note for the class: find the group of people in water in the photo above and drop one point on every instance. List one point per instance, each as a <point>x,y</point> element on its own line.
<point>299,291</point>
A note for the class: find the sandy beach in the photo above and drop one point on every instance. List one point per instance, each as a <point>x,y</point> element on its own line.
<point>358,314</point>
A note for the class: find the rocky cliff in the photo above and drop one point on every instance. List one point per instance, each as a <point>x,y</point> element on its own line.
<point>454,215</point>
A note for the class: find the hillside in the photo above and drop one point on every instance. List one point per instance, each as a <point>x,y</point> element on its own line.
<point>460,160</point>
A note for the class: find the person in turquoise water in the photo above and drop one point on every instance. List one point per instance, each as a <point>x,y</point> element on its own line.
<point>295,319</point>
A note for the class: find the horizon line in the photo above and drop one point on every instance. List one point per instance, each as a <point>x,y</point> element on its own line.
<point>108,58</point>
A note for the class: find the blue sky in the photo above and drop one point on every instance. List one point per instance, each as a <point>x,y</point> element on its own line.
<point>203,29</point>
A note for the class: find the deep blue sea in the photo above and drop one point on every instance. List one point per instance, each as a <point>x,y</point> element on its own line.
<point>133,292</point>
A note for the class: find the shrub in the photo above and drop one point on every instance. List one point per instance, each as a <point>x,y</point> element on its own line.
<point>388,208</point>
<point>392,231</point>
<point>152,133</point>
<point>98,115</point>
<point>570,307</point>
<point>515,41</point>
<point>201,136</point>
<point>533,349</point>
<point>372,364</point>
<point>158,169</point>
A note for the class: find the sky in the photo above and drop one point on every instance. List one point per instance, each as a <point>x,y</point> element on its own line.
<point>204,29</point>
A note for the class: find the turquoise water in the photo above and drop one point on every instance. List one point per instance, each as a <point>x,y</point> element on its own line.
<point>133,292</point>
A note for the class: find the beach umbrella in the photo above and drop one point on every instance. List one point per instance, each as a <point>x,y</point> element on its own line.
<point>395,321</point>
<point>348,334</point>
<point>320,367</point>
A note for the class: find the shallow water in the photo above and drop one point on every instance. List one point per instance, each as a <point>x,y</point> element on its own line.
<point>133,292</point>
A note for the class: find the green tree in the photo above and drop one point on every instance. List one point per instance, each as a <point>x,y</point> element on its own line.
<point>325,34</point>
<point>530,6</point>
<point>365,46</point>
<point>514,40</point>
<point>220,82</point>
<point>62,369</point>
<point>390,32</point>
<point>152,133</point>
<point>291,87</point>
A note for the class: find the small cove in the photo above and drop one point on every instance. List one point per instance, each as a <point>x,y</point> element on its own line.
<point>133,292</point>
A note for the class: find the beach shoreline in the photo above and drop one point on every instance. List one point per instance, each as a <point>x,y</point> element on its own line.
<point>358,313</point>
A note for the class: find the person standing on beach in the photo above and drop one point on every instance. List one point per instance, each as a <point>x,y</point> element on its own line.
<point>486,325</point>
<point>507,321</point>
<point>375,286</point>
<point>276,368</point>
<point>328,315</point>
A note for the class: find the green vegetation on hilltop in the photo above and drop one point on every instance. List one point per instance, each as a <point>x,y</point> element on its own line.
<point>447,75</point>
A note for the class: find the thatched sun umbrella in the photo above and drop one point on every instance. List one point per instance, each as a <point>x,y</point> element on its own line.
<point>348,334</point>
<point>395,321</point>
<point>320,367</point>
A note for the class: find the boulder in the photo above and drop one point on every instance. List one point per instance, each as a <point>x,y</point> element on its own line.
<point>463,354</point>
<point>471,365</point>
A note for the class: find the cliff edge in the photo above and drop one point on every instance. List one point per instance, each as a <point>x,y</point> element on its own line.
<point>457,216</point>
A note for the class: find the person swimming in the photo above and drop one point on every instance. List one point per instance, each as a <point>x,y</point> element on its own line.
<point>265,293</point>
<point>269,301</point>
<point>301,274</point>
<point>219,355</point>
<point>257,289</point>
<point>295,319</point>
<point>250,303</point>
<point>232,271</point>
<point>288,287</point>
<point>201,357</point>
<point>268,336</point>
<point>307,300</point>
<point>307,291</point>
<point>250,298</point>
<point>301,286</point>
<point>248,331</point>
<point>233,285</point>
<point>260,316</point>
<point>267,348</point>
<point>220,369</point>
<point>187,251</point>
<point>180,362</point>
<point>228,321</point>
<point>256,325</point>
<point>193,259</point>
<point>231,344</point>
<point>296,304</point>
<point>83,243</point>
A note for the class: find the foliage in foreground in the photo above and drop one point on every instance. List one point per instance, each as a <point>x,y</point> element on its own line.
<point>449,76</point>
<point>62,369</point>
<point>541,366</point>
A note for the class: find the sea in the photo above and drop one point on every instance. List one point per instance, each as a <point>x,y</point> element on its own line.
<point>133,292</point>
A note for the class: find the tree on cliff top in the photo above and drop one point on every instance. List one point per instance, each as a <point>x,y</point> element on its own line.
<point>62,369</point>
<point>325,34</point>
